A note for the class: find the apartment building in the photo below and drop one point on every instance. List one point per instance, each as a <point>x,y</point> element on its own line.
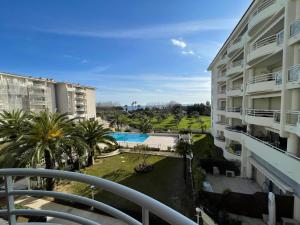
<point>256,96</point>
<point>37,94</point>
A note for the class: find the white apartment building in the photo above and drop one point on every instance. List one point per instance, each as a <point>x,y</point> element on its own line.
<point>36,94</point>
<point>256,96</point>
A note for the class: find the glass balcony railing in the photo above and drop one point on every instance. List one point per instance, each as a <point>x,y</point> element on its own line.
<point>294,73</point>
<point>295,28</point>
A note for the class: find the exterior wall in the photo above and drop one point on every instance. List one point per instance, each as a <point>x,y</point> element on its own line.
<point>37,94</point>
<point>270,94</point>
<point>91,103</point>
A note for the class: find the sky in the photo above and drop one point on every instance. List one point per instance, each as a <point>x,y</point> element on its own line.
<point>149,51</point>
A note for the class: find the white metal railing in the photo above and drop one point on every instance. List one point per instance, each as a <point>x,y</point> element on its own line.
<point>220,138</point>
<point>221,91</point>
<point>295,28</point>
<point>275,38</point>
<point>222,108</point>
<point>263,113</point>
<point>276,76</point>
<point>235,87</point>
<point>293,118</point>
<point>147,203</point>
<point>232,149</point>
<point>294,73</point>
<point>234,109</point>
<point>236,63</point>
<point>263,5</point>
<point>221,122</point>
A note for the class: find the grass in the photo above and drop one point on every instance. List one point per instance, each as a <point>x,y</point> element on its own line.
<point>165,183</point>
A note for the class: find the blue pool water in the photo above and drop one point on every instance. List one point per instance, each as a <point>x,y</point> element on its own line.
<point>129,137</point>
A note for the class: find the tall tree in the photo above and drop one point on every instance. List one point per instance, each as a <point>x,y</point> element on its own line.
<point>183,148</point>
<point>94,134</point>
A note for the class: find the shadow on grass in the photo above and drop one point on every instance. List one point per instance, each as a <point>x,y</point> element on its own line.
<point>165,184</point>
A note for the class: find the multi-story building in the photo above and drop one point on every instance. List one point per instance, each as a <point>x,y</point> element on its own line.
<point>36,94</point>
<point>256,96</point>
<point>76,100</point>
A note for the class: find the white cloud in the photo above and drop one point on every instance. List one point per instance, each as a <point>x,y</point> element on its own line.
<point>146,32</point>
<point>178,43</point>
<point>189,52</point>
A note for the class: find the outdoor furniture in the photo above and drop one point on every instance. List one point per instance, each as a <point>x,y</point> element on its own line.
<point>216,171</point>
<point>230,173</point>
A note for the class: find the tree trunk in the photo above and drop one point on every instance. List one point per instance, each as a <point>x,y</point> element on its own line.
<point>49,165</point>
<point>91,158</point>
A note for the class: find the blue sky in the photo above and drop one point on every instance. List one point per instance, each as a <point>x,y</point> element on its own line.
<point>148,51</point>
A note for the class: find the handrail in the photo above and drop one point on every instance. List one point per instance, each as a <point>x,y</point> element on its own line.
<point>275,76</point>
<point>147,203</point>
<point>263,5</point>
<point>220,138</point>
<point>234,109</point>
<point>236,63</point>
<point>275,38</point>
<point>261,112</point>
<point>221,108</point>
<point>235,87</point>
<point>293,118</point>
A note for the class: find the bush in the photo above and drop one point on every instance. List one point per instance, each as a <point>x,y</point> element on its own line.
<point>143,168</point>
<point>145,147</point>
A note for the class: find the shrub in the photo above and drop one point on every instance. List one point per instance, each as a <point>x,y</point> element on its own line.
<point>145,147</point>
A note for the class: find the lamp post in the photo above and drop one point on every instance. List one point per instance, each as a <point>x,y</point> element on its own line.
<point>198,214</point>
<point>93,194</point>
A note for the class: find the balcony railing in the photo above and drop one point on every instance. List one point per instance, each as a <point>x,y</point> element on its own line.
<point>262,113</point>
<point>276,76</point>
<point>220,122</point>
<point>146,203</point>
<point>275,38</point>
<point>239,129</point>
<point>294,73</point>
<point>293,118</point>
<point>235,87</point>
<point>222,108</point>
<point>295,28</point>
<point>221,91</point>
<point>236,63</point>
<point>263,5</point>
<point>235,149</point>
<point>234,109</point>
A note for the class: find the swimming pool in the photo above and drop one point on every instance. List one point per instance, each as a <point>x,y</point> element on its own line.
<point>130,137</point>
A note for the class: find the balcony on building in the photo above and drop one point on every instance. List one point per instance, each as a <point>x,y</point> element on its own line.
<point>222,91</point>
<point>265,46</point>
<point>221,78</point>
<point>235,67</point>
<point>234,132</point>
<point>293,122</point>
<point>294,32</point>
<point>234,112</point>
<point>237,44</point>
<point>263,11</point>
<point>233,151</point>
<point>219,140</point>
<point>220,123</point>
<point>264,117</point>
<point>223,60</point>
<point>236,89</point>
<point>267,82</point>
<point>294,77</point>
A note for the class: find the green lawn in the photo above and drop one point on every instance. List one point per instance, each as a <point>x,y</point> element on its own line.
<point>165,183</point>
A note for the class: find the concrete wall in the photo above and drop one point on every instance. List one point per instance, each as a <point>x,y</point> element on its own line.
<point>91,103</point>
<point>61,98</point>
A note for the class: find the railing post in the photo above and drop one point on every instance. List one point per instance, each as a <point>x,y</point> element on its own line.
<point>145,216</point>
<point>10,203</point>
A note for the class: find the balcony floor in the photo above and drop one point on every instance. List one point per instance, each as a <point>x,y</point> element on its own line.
<point>39,203</point>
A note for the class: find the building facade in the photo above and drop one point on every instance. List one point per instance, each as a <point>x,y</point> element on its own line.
<point>256,96</point>
<point>37,94</point>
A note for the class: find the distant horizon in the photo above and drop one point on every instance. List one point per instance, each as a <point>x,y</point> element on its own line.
<point>148,51</point>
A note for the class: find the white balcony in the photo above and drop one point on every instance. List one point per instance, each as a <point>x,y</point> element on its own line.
<point>265,82</point>
<point>234,112</point>
<point>286,163</point>
<point>233,134</point>
<point>265,47</point>
<point>294,77</point>
<point>221,78</point>
<point>219,142</point>
<point>235,67</point>
<point>148,205</point>
<point>222,61</point>
<point>237,45</point>
<point>235,90</point>
<point>263,11</point>
<point>293,122</point>
<point>220,125</point>
<point>221,110</point>
<point>262,117</point>
<point>221,93</point>
<point>294,32</point>
<point>231,153</point>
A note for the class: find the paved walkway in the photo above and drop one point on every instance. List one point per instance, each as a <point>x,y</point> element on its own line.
<point>235,184</point>
<point>36,203</point>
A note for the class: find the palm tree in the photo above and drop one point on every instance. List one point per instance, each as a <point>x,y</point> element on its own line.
<point>47,137</point>
<point>117,121</point>
<point>94,134</point>
<point>202,125</point>
<point>13,124</point>
<point>183,148</point>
